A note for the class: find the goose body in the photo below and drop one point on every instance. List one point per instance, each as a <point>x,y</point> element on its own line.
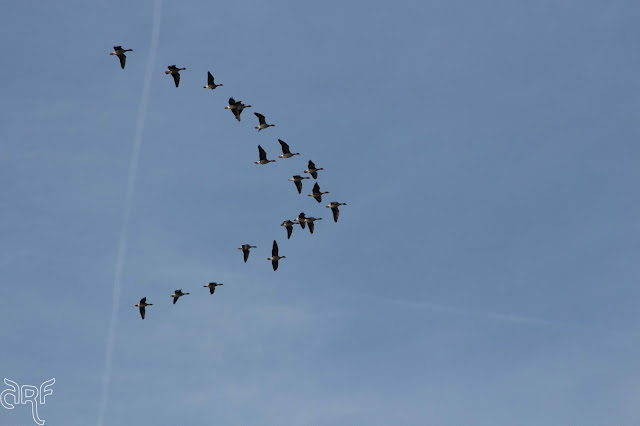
<point>263,124</point>
<point>286,153</point>
<point>313,170</point>
<point>334,209</point>
<point>274,256</point>
<point>175,73</point>
<point>119,52</point>
<point>210,83</point>
<point>212,287</point>
<point>289,226</point>
<point>177,294</point>
<point>245,250</point>
<point>309,221</point>
<point>236,107</point>
<point>301,220</point>
<point>317,194</point>
<point>263,157</point>
<point>142,304</point>
<point>297,180</point>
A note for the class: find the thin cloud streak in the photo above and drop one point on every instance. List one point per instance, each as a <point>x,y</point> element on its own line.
<point>122,244</point>
<point>507,317</point>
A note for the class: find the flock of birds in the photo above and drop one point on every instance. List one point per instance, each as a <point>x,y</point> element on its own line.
<point>236,107</point>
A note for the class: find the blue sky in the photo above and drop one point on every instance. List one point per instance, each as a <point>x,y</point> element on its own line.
<point>484,271</point>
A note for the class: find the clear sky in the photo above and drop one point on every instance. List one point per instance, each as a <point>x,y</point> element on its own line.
<point>484,272</point>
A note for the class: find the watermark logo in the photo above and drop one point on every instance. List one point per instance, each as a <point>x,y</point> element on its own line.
<point>26,394</point>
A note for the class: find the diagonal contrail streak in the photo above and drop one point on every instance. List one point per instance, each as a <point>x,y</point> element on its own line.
<point>122,244</point>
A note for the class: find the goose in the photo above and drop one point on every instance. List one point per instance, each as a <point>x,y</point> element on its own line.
<point>210,83</point>
<point>175,72</point>
<point>301,219</point>
<point>142,304</point>
<point>334,208</point>
<point>313,170</point>
<point>212,287</point>
<point>309,221</point>
<point>297,179</point>
<point>274,256</point>
<point>176,295</point>
<point>263,123</point>
<point>285,150</point>
<point>289,225</point>
<point>245,250</point>
<point>263,157</point>
<point>119,52</point>
<point>316,193</point>
<point>236,107</point>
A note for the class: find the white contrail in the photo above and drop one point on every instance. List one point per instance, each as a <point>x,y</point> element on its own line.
<point>122,244</point>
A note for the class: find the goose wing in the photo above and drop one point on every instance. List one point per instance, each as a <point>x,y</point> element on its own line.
<point>176,78</point>
<point>260,118</point>
<point>289,230</point>
<point>142,312</point>
<point>210,79</point>
<point>117,48</point>
<point>232,102</point>
<point>298,185</point>
<point>311,165</point>
<point>274,263</point>
<point>175,299</point>
<point>274,249</point>
<point>285,147</point>
<point>311,226</point>
<point>314,174</point>
<point>123,59</point>
<point>212,289</point>
<point>236,112</point>
<point>336,212</point>
<point>316,188</point>
<point>143,301</point>
<point>262,153</point>
<point>246,254</point>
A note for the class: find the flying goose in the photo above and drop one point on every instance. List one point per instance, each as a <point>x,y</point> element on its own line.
<point>142,304</point>
<point>313,170</point>
<point>301,219</point>
<point>316,193</point>
<point>175,72</point>
<point>119,52</point>
<point>297,179</point>
<point>285,150</point>
<point>309,221</point>
<point>274,256</point>
<point>245,250</point>
<point>236,107</point>
<point>289,225</point>
<point>334,208</point>
<point>210,83</point>
<point>212,287</point>
<point>176,295</point>
<point>263,123</point>
<point>263,157</point>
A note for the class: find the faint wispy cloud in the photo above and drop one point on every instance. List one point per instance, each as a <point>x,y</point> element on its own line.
<point>122,244</point>
<point>507,317</point>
